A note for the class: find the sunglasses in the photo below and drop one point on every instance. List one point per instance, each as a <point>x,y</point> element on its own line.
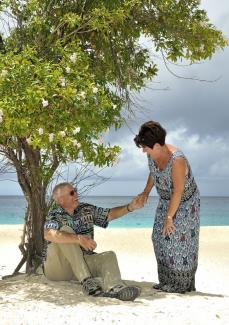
<point>72,192</point>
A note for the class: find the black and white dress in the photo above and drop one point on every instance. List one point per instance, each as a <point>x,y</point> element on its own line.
<point>177,254</point>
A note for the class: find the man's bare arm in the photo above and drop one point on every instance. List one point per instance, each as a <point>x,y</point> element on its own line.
<point>117,212</point>
<point>63,237</point>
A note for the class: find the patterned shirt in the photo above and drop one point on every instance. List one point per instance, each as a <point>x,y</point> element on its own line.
<point>82,221</point>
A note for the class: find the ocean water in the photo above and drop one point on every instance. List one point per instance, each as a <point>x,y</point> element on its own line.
<point>214,210</point>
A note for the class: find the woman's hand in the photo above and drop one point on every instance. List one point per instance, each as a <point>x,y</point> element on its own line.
<point>169,227</point>
<point>144,197</point>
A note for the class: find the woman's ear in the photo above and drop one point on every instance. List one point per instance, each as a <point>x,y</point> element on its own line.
<point>157,146</point>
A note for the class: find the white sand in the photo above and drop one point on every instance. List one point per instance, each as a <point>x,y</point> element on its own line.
<point>36,300</point>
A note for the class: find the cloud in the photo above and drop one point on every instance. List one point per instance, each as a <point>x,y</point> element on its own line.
<point>204,154</point>
<point>208,156</point>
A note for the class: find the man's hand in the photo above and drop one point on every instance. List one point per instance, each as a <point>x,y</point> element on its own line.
<point>87,243</point>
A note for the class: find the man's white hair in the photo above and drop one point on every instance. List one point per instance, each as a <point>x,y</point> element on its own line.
<point>57,188</point>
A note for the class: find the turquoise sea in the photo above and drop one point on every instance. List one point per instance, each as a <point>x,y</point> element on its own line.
<point>214,210</point>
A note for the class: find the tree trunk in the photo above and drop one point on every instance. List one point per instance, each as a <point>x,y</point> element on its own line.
<point>28,164</point>
<point>37,212</point>
<point>31,245</point>
<point>34,190</point>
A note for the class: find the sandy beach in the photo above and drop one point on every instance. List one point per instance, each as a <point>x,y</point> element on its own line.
<point>37,301</point>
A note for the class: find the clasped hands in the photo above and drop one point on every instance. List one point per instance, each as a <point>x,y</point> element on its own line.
<point>138,202</point>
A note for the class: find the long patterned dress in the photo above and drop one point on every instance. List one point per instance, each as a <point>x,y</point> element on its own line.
<point>176,254</point>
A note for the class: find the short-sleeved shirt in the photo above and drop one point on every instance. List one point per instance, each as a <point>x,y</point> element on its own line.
<point>82,221</point>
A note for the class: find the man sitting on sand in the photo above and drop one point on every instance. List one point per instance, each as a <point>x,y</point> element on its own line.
<point>69,250</point>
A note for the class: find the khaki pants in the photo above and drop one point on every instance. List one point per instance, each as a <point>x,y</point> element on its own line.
<point>67,262</point>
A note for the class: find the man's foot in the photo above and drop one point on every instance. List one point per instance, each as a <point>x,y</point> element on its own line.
<point>91,287</point>
<point>121,292</point>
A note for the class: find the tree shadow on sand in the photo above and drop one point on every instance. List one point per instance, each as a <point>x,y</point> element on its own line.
<point>62,293</point>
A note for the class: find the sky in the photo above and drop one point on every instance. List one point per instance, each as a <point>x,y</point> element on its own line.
<point>195,115</point>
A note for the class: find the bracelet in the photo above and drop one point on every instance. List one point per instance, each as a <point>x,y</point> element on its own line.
<point>127,206</point>
<point>169,217</point>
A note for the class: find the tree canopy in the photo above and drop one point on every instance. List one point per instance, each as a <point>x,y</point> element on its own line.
<point>67,67</point>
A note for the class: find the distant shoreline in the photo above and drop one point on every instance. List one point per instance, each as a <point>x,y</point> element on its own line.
<point>213,210</point>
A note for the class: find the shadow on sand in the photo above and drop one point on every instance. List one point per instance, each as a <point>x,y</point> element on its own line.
<point>38,288</point>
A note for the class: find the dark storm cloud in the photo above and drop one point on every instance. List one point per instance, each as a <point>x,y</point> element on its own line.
<point>202,107</point>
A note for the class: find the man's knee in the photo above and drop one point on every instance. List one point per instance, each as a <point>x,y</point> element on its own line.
<point>110,255</point>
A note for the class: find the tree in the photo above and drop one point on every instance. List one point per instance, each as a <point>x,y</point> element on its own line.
<point>67,71</point>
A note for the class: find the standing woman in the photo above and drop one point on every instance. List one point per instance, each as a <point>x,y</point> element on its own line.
<point>176,228</point>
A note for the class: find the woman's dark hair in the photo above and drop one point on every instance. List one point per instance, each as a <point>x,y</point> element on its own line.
<point>151,132</point>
